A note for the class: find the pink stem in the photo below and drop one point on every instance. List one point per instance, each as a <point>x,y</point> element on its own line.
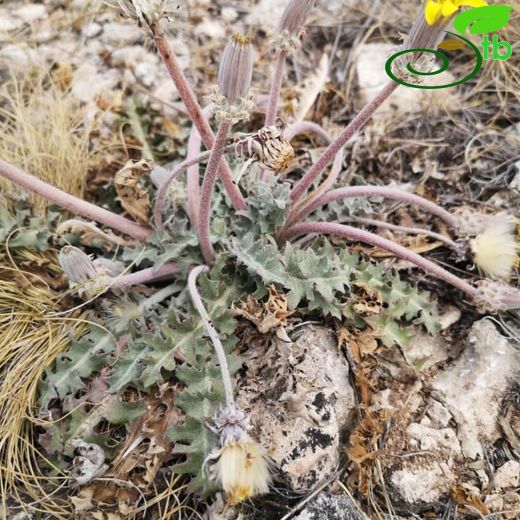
<point>313,128</point>
<point>372,191</point>
<point>152,274</point>
<point>360,235</point>
<point>192,173</point>
<point>195,111</point>
<point>306,127</point>
<point>73,204</point>
<point>163,189</point>
<point>208,186</point>
<point>276,85</point>
<point>328,155</point>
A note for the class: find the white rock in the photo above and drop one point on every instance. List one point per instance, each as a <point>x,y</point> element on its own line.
<point>507,475</point>
<point>31,12</point>
<point>370,68</point>
<point>8,22</point>
<point>300,400</point>
<point>19,56</point>
<point>474,386</point>
<point>433,439</point>
<point>121,33</point>
<point>423,483</point>
<point>438,414</point>
<point>425,351</point>
<point>133,55</point>
<point>88,82</point>
<point>229,14</point>
<point>91,30</point>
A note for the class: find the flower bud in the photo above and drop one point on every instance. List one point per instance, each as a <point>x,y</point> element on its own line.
<point>295,15</point>
<point>236,69</point>
<point>77,265</point>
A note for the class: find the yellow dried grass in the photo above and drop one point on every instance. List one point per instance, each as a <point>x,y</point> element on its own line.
<point>42,131</point>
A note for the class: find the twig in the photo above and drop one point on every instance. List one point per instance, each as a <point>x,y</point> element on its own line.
<point>212,333</point>
<point>73,204</point>
<point>404,229</point>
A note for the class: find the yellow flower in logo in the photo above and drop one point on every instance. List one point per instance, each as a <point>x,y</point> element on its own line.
<point>441,9</point>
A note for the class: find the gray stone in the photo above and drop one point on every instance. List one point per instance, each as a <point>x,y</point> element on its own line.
<point>331,507</point>
<point>423,483</point>
<point>474,386</point>
<point>299,397</point>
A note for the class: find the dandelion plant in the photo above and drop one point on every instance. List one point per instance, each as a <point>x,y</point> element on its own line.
<point>258,226</point>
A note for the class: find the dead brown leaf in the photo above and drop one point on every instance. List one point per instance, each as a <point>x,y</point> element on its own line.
<point>134,197</point>
<point>268,316</point>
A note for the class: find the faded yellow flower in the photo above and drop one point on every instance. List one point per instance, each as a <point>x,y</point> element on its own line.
<point>242,470</point>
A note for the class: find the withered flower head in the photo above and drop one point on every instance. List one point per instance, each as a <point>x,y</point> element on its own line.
<point>77,265</point>
<point>269,147</point>
<point>295,15</point>
<point>236,68</point>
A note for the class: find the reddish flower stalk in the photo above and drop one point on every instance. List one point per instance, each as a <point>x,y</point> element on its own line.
<point>300,213</point>
<point>192,173</point>
<point>208,186</point>
<point>152,274</point>
<point>73,204</point>
<point>276,86</point>
<point>328,155</point>
<point>360,235</point>
<point>194,110</point>
<point>163,189</point>
<point>306,127</point>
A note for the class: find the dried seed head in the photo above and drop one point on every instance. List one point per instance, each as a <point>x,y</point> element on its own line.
<point>236,68</point>
<point>77,265</point>
<point>495,250</point>
<point>242,470</point>
<point>268,147</point>
<point>497,297</point>
<point>146,12</point>
<point>295,15</point>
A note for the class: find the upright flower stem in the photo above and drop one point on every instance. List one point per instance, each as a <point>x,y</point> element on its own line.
<point>276,85</point>
<point>328,155</point>
<point>212,333</point>
<point>73,204</point>
<point>351,192</point>
<point>208,186</point>
<point>360,235</point>
<point>163,189</point>
<point>194,110</point>
<point>192,172</point>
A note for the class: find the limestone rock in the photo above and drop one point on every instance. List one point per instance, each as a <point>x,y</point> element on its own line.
<point>423,484</point>
<point>474,386</point>
<point>507,475</point>
<point>299,397</point>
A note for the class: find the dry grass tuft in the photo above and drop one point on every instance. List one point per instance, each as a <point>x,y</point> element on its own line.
<point>31,336</point>
<point>42,131</point>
